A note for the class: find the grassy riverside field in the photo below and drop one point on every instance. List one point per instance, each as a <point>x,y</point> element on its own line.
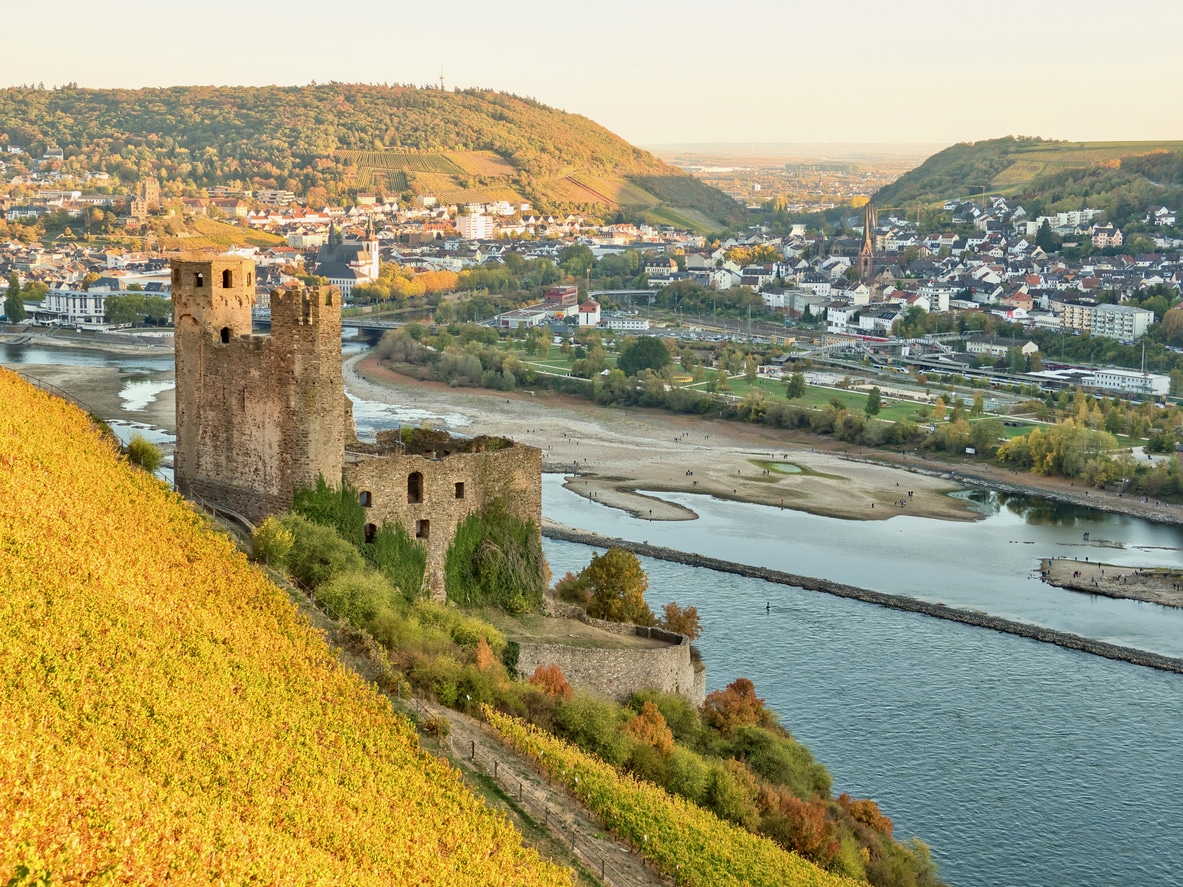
<point>165,714</point>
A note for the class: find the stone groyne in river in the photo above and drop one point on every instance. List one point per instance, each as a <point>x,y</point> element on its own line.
<point>897,602</point>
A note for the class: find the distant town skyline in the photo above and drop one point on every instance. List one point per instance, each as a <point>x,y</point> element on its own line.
<point>661,74</point>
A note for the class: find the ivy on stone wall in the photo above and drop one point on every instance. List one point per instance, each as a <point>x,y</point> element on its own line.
<point>496,560</point>
<point>390,549</point>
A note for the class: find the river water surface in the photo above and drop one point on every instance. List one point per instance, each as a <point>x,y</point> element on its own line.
<point>1018,762</point>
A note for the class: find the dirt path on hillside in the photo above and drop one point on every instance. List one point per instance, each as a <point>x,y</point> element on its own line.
<point>550,806</point>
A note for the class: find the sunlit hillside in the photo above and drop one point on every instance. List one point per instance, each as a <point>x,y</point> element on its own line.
<point>165,714</point>
<point>327,142</point>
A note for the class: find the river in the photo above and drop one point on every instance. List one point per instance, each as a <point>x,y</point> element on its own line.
<point>1018,762</point>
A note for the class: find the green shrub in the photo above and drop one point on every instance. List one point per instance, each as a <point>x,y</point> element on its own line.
<point>689,775</point>
<point>595,726</point>
<point>318,553</point>
<point>144,453</point>
<point>334,507</point>
<point>781,760</point>
<point>439,675</point>
<point>359,597</point>
<point>400,558</point>
<point>510,657</point>
<point>464,631</point>
<point>729,796</point>
<point>495,560</point>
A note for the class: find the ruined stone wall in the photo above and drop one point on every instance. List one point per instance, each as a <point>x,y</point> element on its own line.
<point>257,416</point>
<point>618,673</point>
<point>447,490</point>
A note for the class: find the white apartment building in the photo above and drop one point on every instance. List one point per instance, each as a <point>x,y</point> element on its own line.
<point>475,226</point>
<point>1123,322</point>
<point>74,307</point>
<point>625,324</point>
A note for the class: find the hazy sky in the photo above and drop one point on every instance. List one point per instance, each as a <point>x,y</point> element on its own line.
<point>662,72</point>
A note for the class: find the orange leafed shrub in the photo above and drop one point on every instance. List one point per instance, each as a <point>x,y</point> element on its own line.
<point>651,728</point>
<point>485,658</point>
<point>166,714</point>
<point>551,681</point>
<point>867,812</point>
<point>803,827</point>
<point>736,706</point>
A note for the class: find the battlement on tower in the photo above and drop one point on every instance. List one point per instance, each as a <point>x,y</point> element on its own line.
<point>257,416</point>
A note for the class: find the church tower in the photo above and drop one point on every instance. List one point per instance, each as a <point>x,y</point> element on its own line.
<point>372,249</point>
<point>866,254</point>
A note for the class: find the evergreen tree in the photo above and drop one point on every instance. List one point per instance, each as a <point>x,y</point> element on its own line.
<point>874,402</point>
<point>1043,238</point>
<point>14,305</point>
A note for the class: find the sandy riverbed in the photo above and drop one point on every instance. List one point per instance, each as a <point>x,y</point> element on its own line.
<point>610,454</point>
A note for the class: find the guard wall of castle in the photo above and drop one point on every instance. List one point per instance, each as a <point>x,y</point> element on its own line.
<point>430,496</point>
<point>618,673</point>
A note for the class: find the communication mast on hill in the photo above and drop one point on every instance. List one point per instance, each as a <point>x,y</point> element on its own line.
<point>442,78</point>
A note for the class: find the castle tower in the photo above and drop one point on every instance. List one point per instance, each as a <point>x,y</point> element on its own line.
<point>866,254</point>
<point>257,416</point>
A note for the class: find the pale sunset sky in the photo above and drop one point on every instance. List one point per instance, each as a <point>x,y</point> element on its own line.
<point>660,73</point>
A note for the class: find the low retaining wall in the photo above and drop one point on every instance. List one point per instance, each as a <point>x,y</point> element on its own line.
<point>896,602</point>
<point>618,673</point>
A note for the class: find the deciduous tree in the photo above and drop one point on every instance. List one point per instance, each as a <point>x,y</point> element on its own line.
<point>14,305</point>
<point>874,402</point>
<point>618,586</point>
<point>645,353</point>
<point>796,386</point>
<point>683,620</point>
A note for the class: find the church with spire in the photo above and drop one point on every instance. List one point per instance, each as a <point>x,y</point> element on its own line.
<point>866,253</point>
<point>348,263</point>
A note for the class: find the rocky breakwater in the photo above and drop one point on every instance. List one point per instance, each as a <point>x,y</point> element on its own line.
<point>897,602</point>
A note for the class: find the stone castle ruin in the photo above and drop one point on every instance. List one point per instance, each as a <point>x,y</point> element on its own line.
<point>260,416</point>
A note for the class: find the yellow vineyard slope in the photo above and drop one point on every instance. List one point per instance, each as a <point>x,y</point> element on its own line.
<point>166,715</point>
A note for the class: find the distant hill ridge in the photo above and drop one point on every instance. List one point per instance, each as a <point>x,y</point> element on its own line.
<point>1122,178</point>
<point>330,140</point>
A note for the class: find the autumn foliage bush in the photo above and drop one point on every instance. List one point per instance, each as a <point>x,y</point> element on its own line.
<point>551,681</point>
<point>167,716</point>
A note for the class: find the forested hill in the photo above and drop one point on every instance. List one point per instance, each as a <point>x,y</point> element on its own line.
<point>325,141</point>
<point>1122,178</point>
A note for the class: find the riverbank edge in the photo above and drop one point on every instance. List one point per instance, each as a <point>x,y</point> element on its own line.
<point>965,476</point>
<point>973,618</point>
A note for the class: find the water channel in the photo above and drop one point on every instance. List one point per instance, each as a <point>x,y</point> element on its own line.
<point>1018,762</point>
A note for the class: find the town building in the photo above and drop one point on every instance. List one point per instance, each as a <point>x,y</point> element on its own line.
<point>475,226</point>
